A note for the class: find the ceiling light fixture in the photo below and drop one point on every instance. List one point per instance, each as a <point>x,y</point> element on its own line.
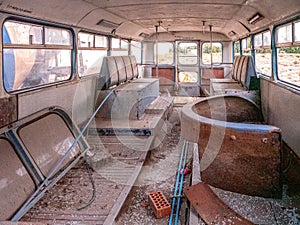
<point>143,35</point>
<point>231,33</point>
<point>108,24</point>
<point>254,19</point>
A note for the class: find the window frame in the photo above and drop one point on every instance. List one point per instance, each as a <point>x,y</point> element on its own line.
<point>237,42</point>
<point>262,47</point>
<point>91,47</point>
<point>119,49</point>
<point>138,58</point>
<point>173,53</point>
<point>211,63</point>
<point>248,46</point>
<point>287,44</point>
<point>42,46</point>
<point>197,57</point>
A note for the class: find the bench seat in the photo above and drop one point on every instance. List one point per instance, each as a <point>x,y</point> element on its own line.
<point>244,78</point>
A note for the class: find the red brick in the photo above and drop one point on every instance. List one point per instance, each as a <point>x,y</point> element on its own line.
<point>159,203</point>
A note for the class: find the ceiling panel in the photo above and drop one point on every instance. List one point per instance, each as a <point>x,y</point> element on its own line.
<point>180,10</point>
<point>118,3</point>
<point>53,10</point>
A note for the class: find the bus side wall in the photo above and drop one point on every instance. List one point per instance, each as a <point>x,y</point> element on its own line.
<point>281,108</point>
<point>76,97</point>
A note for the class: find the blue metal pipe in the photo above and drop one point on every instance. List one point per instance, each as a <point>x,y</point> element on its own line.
<point>180,186</point>
<point>29,203</point>
<point>176,184</point>
<point>60,162</point>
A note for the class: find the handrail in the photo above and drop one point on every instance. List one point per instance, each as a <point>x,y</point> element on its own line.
<point>38,193</point>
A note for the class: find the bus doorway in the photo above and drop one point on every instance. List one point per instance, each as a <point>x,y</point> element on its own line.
<point>188,68</point>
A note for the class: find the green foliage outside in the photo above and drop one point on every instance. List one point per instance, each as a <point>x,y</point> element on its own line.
<point>215,48</point>
<point>294,50</point>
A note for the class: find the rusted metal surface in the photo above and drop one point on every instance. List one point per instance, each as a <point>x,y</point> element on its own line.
<point>166,75</point>
<point>8,110</point>
<point>211,208</point>
<point>234,145</point>
<point>246,162</point>
<point>229,108</point>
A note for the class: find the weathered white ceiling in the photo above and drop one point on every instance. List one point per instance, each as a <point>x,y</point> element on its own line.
<point>177,17</point>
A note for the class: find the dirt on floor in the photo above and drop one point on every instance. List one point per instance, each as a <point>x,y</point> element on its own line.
<point>158,174</point>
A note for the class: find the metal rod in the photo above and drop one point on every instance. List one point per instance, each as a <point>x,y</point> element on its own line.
<point>156,58</point>
<point>176,183</point>
<point>27,205</point>
<point>180,186</point>
<point>211,56</point>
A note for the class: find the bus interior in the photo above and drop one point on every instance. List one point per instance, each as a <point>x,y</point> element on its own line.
<point>150,112</point>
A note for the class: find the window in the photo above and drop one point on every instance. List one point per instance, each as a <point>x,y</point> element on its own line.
<point>165,53</point>
<point>136,50</point>
<point>212,55</point>
<point>297,31</point>
<point>35,55</point>
<point>263,53</point>
<point>284,34</point>
<point>246,46</point>
<point>119,47</point>
<point>91,50</point>
<point>288,53</point>
<point>237,48</point>
<point>188,53</point>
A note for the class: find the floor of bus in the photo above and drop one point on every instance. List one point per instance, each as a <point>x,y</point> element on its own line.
<point>117,199</point>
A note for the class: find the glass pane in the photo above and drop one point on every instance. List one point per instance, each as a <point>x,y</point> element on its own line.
<point>188,77</point>
<point>188,53</point>
<point>165,53</point>
<point>258,40</point>
<point>90,61</point>
<point>136,50</point>
<point>85,40</point>
<point>16,184</point>
<point>267,38</point>
<point>124,44</point>
<point>57,36</point>
<point>263,61</point>
<point>20,33</point>
<point>115,43</point>
<point>246,46</point>
<point>215,54</point>
<point>100,41</point>
<point>288,60</point>
<point>24,68</point>
<point>52,139</point>
<point>284,34</point>
<point>237,48</point>
<point>244,43</point>
<point>297,31</point>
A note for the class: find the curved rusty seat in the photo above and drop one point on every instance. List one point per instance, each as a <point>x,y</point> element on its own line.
<point>237,151</point>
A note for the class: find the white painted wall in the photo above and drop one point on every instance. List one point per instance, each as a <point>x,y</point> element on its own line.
<point>77,98</point>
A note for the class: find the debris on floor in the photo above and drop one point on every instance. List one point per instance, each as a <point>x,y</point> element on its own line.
<point>159,204</point>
